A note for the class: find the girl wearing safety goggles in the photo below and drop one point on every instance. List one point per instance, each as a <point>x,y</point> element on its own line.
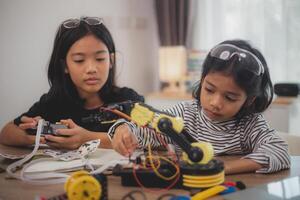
<point>81,74</point>
<point>233,91</point>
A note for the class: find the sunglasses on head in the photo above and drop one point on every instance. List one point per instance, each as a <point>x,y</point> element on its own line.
<point>74,23</point>
<point>227,51</point>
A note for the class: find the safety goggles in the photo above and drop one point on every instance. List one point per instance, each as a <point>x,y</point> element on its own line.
<point>74,23</point>
<point>246,58</point>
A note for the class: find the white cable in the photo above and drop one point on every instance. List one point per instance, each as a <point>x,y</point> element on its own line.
<point>88,163</point>
<point>106,166</point>
<point>12,168</point>
<point>16,165</point>
<point>115,162</point>
<point>50,177</point>
<point>45,178</point>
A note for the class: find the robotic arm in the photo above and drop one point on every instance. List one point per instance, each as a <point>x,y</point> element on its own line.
<point>198,169</point>
<point>145,115</point>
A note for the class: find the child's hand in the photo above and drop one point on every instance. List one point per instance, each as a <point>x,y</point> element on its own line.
<point>71,138</point>
<point>124,141</point>
<point>29,122</point>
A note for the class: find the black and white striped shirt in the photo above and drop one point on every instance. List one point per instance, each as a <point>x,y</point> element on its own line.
<point>251,136</point>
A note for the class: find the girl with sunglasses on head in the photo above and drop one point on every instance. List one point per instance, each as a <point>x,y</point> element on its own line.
<point>234,89</point>
<point>81,75</point>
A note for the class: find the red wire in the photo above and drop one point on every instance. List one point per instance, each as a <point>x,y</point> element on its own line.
<point>134,171</point>
<point>153,190</point>
<point>163,189</point>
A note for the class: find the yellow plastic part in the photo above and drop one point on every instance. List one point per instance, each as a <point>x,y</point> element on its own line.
<point>203,181</point>
<point>82,186</point>
<point>177,122</point>
<point>74,176</point>
<point>203,178</point>
<point>209,192</point>
<point>141,115</point>
<point>207,149</point>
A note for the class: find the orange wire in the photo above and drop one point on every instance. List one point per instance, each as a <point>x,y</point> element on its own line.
<point>153,190</point>
<point>134,171</point>
<point>176,179</point>
<point>123,115</point>
<point>159,137</point>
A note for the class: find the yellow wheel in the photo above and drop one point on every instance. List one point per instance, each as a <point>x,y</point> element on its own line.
<point>74,176</point>
<point>207,149</point>
<point>82,186</point>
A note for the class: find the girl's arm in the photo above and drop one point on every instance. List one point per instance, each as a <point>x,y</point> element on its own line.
<point>145,136</point>
<point>268,149</point>
<point>12,135</point>
<point>148,136</point>
<point>241,166</point>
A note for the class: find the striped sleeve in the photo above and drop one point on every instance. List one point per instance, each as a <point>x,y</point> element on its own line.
<point>148,136</point>
<point>267,148</point>
<point>112,129</point>
<point>144,135</point>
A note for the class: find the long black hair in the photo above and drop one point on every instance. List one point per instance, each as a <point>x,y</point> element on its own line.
<point>61,85</point>
<point>259,88</point>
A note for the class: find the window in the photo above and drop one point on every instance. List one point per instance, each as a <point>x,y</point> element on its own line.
<point>272,26</point>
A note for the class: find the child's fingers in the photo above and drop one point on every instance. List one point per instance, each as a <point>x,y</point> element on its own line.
<point>129,142</point>
<point>29,122</point>
<point>25,126</point>
<point>42,140</point>
<point>68,122</point>
<point>56,139</point>
<point>64,132</point>
<point>123,141</point>
<point>121,148</point>
<point>37,118</point>
<point>26,119</point>
<point>53,144</point>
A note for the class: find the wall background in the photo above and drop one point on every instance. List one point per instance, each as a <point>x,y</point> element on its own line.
<point>27,30</point>
<point>27,34</point>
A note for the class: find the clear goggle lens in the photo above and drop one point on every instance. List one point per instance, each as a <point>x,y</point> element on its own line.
<point>246,58</point>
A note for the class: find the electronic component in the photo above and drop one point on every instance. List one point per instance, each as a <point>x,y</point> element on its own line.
<point>198,169</point>
<point>47,128</point>
<point>102,117</point>
<point>147,177</point>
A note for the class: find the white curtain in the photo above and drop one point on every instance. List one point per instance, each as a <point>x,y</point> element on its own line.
<point>272,26</point>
